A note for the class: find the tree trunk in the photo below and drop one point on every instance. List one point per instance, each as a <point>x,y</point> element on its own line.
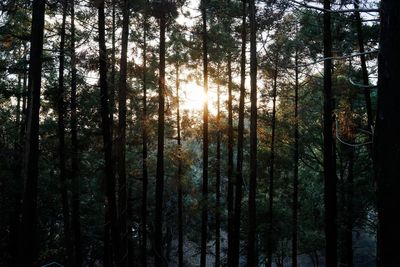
<point>76,223</point>
<point>110,204</point>
<point>386,134</point>
<point>122,183</point>
<point>158,247</point>
<point>180,193</point>
<point>204,213</point>
<point>28,236</point>
<point>230,197</point>
<point>240,141</point>
<point>271,170</point>
<point>329,155</point>
<point>360,37</point>
<point>295,202</point>
<point>61,140</point>
<point>218,185</point>
<point>144,150</point>
<point>251,255</point>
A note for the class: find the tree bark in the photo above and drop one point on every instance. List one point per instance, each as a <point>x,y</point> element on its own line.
<point>158,246</point>
<point>204,213</point>
<point>329,155</point>
<point>121,159</point>
<point>387,131</point>
<point>272,168</point>
<point>144,150</point>
<point>110,203</point>
<point>28,247</point>
<point>218,184</point>
<point>251,251</point>
<point>240,141</point>
<point>180,193</point>
<point>76,223</point>
<point>295,202</point>
<point>61,140</point>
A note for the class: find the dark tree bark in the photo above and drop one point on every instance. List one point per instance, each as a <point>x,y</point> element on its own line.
<point>145,179</point>
<point>295,203</point>
<point>218,184</point>
<point>28,246</point>
<point>158,247</point>
<point>75,214</point>
<point>111,225</point>
<point>251,251</point>
<point>360,37</point>
<point>240,141</point>
<point>230,197</point>
<point>272,168</point>
<point>61,141</point>
<point>180,193</point>
<point>204,213</point>
<point>121,159</point>
<point>387,131</point>
<point>329,154</point>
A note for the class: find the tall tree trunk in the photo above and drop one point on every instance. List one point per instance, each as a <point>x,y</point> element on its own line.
<point>251,251</point>
<point>110,204</point>
<point>76,223</point>
<point>144,149</point>
<point>272,168</point>
<point>218,184</point>
<point>113,64</point>
<point>122,183</point>
<point>180,193</point>
<point>61,140</point>
<point>158,246</point>
<point>329,155</point>
<point>28,247</point>
<point>386,135</point>
<point>240,141</point>
<point>295,203</point>
<point>230,197</point>
<point>360,37</point>
<point>204,213</point>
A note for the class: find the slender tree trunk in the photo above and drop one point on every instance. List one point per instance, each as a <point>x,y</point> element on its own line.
<point>387,131</point>
<point>251,255</point>
<point>158,246</point>
<point>230,197</point>
<point>61,140</point>
<point>364,70</point>
<point>180,193</point>
<point>218,185</point>
<point>329,155</point>
<point>76,223</point>
<point>295,202</point>
<point>122,183</point>
<point>28,236</point>
<point>348,233</point>
<point>111,205</point>
<point>144,150</point>
<point>113,64</point>
<point>240,141</point>
<point>272,168</point>
<point>204,213</point>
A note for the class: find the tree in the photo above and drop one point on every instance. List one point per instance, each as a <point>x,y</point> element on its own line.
<point>28,235</point>
<point>204,212</point>
<point>61,140</point>
<point>251,250</point>
<point>329,154</point>
<point>122,183</point>
<point>387,130</point>
<point>158,248</point>
<point>111,245</point>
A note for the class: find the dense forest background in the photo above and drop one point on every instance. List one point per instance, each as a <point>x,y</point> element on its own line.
<point>199,133</point>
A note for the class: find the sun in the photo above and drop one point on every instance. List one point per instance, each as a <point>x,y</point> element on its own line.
<point>192,98</point>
